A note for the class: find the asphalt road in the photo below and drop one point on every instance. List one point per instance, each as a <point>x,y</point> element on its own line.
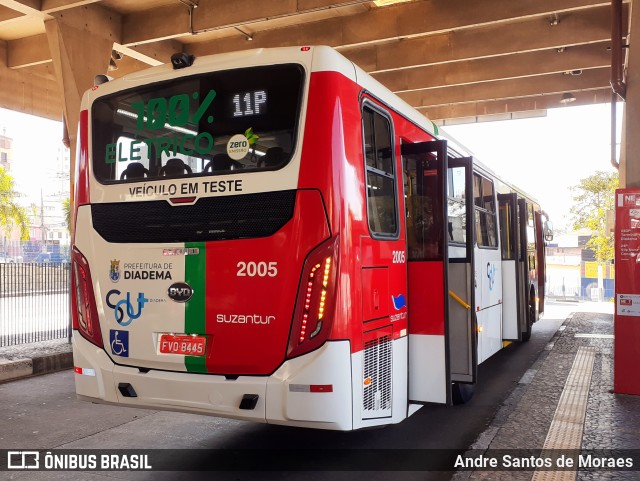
<point>43,413</point>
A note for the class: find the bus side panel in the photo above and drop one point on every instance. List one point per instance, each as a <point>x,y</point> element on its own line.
<point>291,400</point>
<point>489,301</point>
<point>331,162</point>
<point>510,306</point>
<point>427,365</point>
<point>540,246</point>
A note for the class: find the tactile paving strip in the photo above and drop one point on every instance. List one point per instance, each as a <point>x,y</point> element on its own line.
<point>567,425</point>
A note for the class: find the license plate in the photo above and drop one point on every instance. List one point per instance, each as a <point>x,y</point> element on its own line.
<point>182,344</point>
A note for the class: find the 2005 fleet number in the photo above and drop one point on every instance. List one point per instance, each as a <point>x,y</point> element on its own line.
<point>259,269</point>
<point>398,257</point>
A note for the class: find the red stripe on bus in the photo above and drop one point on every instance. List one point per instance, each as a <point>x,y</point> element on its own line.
<point>426,298</point>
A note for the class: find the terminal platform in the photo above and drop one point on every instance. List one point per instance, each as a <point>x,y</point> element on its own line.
<point>563,400</point>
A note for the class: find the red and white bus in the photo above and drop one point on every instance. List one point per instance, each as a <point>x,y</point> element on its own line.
<point>272,235</point>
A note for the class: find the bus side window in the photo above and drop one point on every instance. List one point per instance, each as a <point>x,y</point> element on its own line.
<point>382,207</point>
<point>456,206</point>
<point>424,208</point>
<point>505,232</point>
<point>531,240</point>
<point>485,214</point>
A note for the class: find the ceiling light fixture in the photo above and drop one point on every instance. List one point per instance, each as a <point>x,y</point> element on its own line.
<point>386,3</point>
<point>248,37</point>
<point>189,3</point>
<point>567,98</point>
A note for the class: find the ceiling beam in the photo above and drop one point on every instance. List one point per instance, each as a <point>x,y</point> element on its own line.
<point>587,26</point>
<point>8,14</point>
<point>25,7</point>
<point>128,65</point>
<point>527,64</point>
<point>28,51</point>
<point>30,7</point>
<point>27,91</point>
<point>505,89</point>
<point>50,6</point>
<point>161,23</point>
<point>499,107</point>
<point>399,22</point>
<point>532,34</point>
<point>153,54</point>
<point>152,25</point>
<point>34,50</point>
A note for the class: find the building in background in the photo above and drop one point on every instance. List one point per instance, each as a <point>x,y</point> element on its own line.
<point>48,232</point>
<point>9,237</point>
<point>6,150</point>
<point>572,271</point>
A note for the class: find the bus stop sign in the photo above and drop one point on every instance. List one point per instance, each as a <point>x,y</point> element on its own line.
<point>627,312</point>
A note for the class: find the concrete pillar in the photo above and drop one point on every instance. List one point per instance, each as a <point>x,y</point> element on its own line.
<point>630,151</point>
<point>80,41</point>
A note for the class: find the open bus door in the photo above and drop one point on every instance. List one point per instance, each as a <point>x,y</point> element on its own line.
<point>526,266</point>
<point>541,271</point>
<point>442,329</point>
<point>462,323</point>
<point>514,271</point>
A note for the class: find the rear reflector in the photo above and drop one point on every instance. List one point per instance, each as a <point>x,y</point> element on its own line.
<point>182,200</point>
<point>84,371</point>
<point>310,387</point>
<point>321,388</point>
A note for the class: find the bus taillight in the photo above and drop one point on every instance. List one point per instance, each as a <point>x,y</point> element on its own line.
<point>84,312</point>
<point>316,296</point>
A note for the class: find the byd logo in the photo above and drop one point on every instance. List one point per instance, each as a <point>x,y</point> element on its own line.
<point>125,306</point>
<point>180,292</point>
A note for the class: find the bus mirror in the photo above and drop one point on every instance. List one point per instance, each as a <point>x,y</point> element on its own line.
<point>548,230</point>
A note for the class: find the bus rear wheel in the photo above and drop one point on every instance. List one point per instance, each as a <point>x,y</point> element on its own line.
<point>531,314</point>
<point>461,393</point>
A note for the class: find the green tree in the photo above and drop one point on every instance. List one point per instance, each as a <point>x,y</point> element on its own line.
<point>11,214</point>
<point>66,208</point>
<point>593,197</point>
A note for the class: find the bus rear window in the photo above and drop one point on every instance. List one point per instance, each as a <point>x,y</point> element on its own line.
<point>211,124</point>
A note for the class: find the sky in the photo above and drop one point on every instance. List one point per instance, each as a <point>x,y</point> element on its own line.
<point>36,143</point>
<point>544,156</point>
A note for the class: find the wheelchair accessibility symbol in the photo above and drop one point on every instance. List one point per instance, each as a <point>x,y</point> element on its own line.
<point>119,341</point>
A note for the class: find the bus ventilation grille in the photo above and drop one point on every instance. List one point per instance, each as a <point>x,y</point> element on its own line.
<point>376,398</point>
<point>210,219</point>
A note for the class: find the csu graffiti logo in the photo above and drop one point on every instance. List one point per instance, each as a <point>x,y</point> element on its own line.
<point>114,271</point>
<point>123,309</point>
<point>491,274</point>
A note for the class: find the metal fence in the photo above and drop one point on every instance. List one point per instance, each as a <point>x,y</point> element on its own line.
<point>579,293</point>
<point>34,302</point>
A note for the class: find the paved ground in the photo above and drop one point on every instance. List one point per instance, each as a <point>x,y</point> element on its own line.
<point>515,402</point>
<point>611,421</point>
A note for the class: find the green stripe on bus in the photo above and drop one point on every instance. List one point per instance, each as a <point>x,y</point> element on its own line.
<point>195,318</point>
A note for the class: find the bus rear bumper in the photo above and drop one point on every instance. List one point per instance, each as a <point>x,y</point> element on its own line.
<point>312,391</point>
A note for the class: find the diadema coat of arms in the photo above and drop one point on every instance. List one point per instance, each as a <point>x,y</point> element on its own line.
<point>114,272</point>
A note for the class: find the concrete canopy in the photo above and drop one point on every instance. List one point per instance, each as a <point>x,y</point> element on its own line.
<point>450,59</point>
<point>453,60</point>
